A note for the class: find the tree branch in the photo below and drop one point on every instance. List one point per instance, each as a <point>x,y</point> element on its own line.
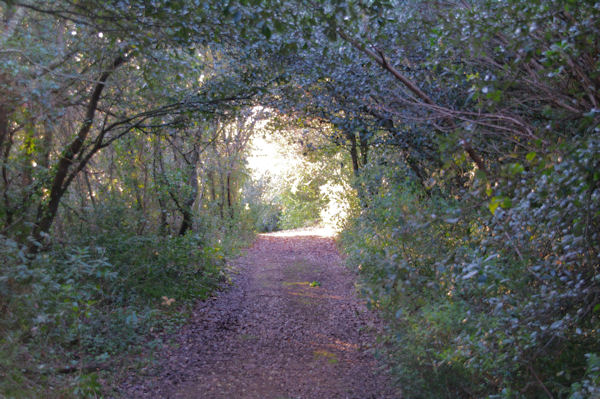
<point>381,60</point>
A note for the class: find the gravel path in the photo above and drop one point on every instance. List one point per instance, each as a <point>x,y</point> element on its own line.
<point>274,334</point>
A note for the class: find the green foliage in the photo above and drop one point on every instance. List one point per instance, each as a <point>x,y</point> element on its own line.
<point>301,205</point>
<point>486,304</point>
<point>177,267</point>
<point>302,185</point>
<point>94,304</point>
<point>474,151</point>
<point>589,387</point>
<point>266,217</point>
<point>487,272</point>
<point>261,206</point>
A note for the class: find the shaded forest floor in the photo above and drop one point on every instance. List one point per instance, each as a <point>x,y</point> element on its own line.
<point>290,327</point>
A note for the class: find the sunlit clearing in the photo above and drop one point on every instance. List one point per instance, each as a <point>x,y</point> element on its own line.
<point>269,158</point>
<point>278,166</point>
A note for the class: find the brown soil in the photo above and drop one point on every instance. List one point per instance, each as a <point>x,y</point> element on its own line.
<point>274,334</point>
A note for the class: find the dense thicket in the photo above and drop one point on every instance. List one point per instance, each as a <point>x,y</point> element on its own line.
<point>468,130</point>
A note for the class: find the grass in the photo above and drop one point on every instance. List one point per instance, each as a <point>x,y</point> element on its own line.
<point>323,354</point>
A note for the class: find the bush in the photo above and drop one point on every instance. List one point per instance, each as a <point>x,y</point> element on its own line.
<point>93,304</point>
<point>493,298</point>
<point>154,266</point>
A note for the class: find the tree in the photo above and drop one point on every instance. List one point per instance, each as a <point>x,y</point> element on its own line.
<point>107,56</point>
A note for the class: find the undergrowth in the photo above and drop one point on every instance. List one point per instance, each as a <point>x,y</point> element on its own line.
<point>74,316</point>
<point>492,298</point>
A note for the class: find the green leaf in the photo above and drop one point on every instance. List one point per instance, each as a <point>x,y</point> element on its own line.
<point>493,205</point>
<point>503,202</point>
<point>480,175</point>
<point>331,34</point>
<point>279,26</point>
<point>515,168</point>
<point>266,31</point>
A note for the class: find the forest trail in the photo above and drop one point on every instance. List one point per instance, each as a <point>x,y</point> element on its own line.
<point>274,335</point>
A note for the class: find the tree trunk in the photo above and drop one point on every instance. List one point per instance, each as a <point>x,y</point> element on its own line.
<point>162,227</point>
<point>47,209</point>
<point>364,148</point>
<point>211,186</point>
<point>3,124</point>
<point>5,146</point>
<point>186,223</point>
<point>222,199</point>
<point>353,152</point>
<point>188,205</point>
<point>229,195</point>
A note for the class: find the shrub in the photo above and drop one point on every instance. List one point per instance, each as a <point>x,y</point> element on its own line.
<point>493,298</point>
<point>69,307</point>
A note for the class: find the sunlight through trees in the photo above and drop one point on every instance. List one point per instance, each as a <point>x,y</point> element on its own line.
<point>455,146</point>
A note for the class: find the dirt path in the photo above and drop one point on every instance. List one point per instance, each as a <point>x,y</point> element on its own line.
<point>276,335</point>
